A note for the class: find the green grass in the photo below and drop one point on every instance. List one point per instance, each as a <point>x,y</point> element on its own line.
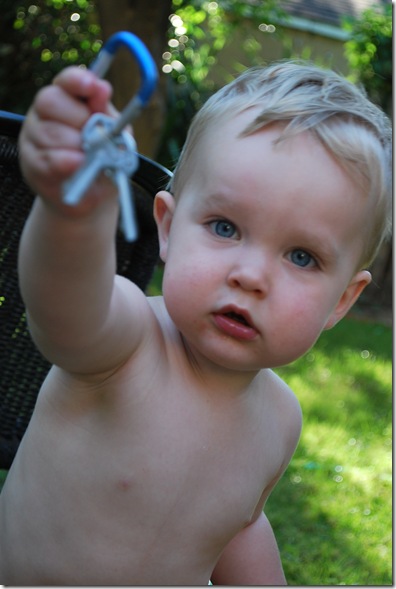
<point>331,511</point>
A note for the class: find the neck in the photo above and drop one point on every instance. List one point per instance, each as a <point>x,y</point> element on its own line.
<point>223,380</point>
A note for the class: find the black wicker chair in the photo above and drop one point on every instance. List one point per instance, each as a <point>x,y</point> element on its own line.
<point>22,368</point>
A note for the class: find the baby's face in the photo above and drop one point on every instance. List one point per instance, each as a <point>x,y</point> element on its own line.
<point>263,246</point>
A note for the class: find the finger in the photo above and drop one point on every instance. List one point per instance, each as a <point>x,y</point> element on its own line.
<point>48,164</point>
<point>54,104</point>
<point>85,85</point>
<point>50,133</point>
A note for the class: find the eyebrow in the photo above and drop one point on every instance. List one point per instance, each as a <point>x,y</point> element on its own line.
<point>221,199</point>
<point>324,249</point>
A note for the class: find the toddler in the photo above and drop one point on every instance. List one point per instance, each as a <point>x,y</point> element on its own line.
<point>161,429</point>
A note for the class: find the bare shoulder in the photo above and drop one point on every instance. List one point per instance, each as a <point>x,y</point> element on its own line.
<point>283,393</point>
<point>137,313</point>
<point>281,431</point>
<point>144,320</point>
<point>286,408</point>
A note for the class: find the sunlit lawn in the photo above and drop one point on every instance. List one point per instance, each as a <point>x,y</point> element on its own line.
<point>331,512</point>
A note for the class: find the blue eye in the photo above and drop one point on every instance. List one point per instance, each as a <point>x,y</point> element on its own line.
<point>302,258</point>
<point>223,228</point>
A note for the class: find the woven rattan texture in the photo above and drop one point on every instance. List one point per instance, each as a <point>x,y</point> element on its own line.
<point>22,368</point>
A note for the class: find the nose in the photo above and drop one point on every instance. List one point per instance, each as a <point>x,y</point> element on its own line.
<point>250,272</point>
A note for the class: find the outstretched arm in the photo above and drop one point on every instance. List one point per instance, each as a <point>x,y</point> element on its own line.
<point>251,558</point>
<point>76,307</point>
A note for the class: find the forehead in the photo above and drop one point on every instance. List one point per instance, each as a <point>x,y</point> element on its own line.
<point>226,155</point>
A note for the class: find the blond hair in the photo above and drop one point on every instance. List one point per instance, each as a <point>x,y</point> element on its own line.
<point>305,97</point>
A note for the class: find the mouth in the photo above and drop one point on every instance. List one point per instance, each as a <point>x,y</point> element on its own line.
<point>236,323</point>
<point>237,317</point>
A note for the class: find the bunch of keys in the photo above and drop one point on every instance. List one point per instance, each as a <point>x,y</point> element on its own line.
<point>108,147</point>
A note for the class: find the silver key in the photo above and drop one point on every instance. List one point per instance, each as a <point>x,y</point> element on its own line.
<point>128,218</point>
<point>115,155</point>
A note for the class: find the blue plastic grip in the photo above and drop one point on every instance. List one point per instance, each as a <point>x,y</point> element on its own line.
<point>147,67</point>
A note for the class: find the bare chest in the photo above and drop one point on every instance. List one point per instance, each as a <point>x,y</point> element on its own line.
<point>167,480</point>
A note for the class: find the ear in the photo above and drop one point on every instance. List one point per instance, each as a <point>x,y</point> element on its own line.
<point>349,297</point>
<point>164,207</point>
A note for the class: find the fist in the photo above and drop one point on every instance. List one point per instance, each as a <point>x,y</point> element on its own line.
<point>50,139</point>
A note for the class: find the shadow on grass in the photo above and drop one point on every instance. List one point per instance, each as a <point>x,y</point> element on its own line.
<point>353,334</point>
<point>347,376</point>
<point>317,549</point>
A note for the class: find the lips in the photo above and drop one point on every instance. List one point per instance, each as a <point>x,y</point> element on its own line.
<point>236,323</point>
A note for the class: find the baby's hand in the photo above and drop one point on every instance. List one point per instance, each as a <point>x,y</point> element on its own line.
<point>50,139</point>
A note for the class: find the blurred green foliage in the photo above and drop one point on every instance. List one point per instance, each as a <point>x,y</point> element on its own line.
<point>38,40</point>
<point>198,31</point>
<point>201,29</point>
<point>369,53</point>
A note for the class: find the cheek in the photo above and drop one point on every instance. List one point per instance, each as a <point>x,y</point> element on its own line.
<point>293,339</point>
<point>188,265</point>
<point>188,282</point>
<point>303,320</point>
<point>182,300</point>
<point>181,285</point>
<point>309,301</point>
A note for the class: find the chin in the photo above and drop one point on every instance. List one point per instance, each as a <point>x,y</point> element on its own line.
<point>221,357</point>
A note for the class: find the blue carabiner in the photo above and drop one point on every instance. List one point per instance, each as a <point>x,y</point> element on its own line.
<point>147,68</point>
